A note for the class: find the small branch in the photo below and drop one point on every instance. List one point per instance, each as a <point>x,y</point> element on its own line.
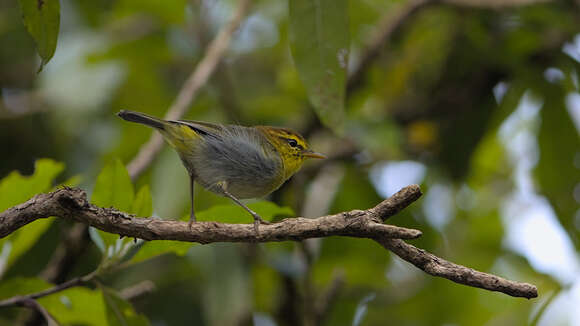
<point>72,203</point>
<point>74,242</point>
<point>137,290</point>
<point>20,299</point>
<point>436,266</point>
<point>34,305</point>
<point>189,90</point>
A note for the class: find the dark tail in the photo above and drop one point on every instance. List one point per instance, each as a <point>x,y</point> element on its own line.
<point>142,119</point>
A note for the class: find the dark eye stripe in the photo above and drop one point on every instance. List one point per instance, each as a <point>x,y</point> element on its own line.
<point>292,142</point>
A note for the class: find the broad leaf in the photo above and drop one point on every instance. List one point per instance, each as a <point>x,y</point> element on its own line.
<point>119,311</point>
<point>319,36</point>
<point>74,306</point>
<point>556,171</point>
<point>16,189</point>
<point>113,189</point>
<point>151,249</point>
<point>143,204</point>
<point>42,20</point>
<point>21,286</point>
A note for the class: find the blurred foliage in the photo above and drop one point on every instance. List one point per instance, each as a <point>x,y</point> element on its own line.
<point>486,100</point>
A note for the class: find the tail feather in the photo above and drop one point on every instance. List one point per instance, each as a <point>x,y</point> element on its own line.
<point>142,119</point>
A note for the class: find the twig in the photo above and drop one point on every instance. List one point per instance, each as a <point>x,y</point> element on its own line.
<point>436,266</point>
<point>33,304</point>
<point>189,90</point>
<point>74,243</point>
<point>18,300</point>
<point>72,204</point>
<point>137,290</point>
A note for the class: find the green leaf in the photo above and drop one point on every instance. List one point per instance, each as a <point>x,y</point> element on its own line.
<point>119,311</point>
<point>151,249</point>
<point>143,204</point>
<point>319,36</point>
<point>76,306</point>
<point>16,189</point>
<point>556,171</point>
<point>42,20</point>
<point>20,286</point>
<point>73,181</point>
<point>113,189</point>
<point>72,306</point>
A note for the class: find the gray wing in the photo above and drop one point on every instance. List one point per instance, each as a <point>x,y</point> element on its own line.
<point>238,158</point>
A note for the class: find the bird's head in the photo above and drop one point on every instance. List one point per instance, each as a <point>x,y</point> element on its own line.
<point>291,146</point>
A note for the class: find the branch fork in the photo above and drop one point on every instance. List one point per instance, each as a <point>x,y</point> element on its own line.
<point>72,203</point>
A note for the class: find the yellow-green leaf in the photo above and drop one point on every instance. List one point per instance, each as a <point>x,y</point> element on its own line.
<point>143,204</point>
<point>15,189</point>
<point>151,249</point>
<point>42,20</point>
<point>559,147</point>
<point>113,189</point>
<point>119,311</point>
<point>319,36</point>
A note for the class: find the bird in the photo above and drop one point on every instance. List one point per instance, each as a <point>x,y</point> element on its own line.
<point>234,161</point>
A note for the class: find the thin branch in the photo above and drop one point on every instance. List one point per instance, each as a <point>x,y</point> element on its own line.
<point>18,300</point>
<point>138,290</point>
<point>74,242</point>
<point>436,266</point>
<point>34,305</point>
<point>72,203</point>
<point>190,88</point>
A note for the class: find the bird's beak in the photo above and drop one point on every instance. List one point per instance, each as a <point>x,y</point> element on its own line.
<point>311,154</point>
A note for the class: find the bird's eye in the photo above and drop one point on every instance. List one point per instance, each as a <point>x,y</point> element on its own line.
<point>292,142</point>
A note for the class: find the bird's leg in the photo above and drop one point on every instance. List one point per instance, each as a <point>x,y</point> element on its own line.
<point>192,211</point>
<point>257,219</point>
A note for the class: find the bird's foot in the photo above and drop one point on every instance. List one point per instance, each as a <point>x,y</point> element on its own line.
<point>257,221</point>
<point>192,220</point>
